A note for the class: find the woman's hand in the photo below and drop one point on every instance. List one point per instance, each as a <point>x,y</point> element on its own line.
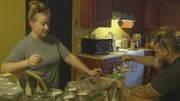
<point>34,60</point>
<point>94,72</point>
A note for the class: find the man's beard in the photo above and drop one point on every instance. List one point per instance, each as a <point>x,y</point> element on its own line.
<point>164,64</point>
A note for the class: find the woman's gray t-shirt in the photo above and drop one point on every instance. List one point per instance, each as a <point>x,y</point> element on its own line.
<point>52,52</point>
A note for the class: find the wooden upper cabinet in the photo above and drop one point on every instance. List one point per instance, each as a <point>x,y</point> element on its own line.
<point>118,5</point>
<point>162,14</point>
<point>138,13</point>
<point>96,13</point>
<point>170,13</point>
<point>152,13</point>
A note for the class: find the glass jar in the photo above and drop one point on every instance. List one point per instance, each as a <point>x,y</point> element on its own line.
<point>13,94</point>
<point>3,80</point>
<point>1,76</point>
<point>82,95</point>
<point>126,94</point>
<point>33,98</point>
<point>7,85</point>
<point>1,97</point>
<point>56,93</point>
<point>44,96</point>
<point>72,89</point>
<point>69,97</point>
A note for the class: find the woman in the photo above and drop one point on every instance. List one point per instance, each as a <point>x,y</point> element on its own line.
<point>41,53</point>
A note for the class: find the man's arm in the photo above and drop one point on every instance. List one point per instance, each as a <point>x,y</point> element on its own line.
<point>146,91</point>
<point>145,60</point>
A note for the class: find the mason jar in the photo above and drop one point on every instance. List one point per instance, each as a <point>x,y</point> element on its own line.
<point>69,97</point>
<point>1,97</point>
<point>72,89</point>
<point>34,98</point>
<point>56,93</point>
<point>3,80</point>
<point>7,85</point>
<point>1,76</point>
<point>47,97</point>
<point>13,94</point>
<point>42,96</point>
<point>82,95</point>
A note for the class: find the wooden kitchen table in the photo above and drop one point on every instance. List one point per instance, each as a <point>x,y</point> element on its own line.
<point>140,99</point>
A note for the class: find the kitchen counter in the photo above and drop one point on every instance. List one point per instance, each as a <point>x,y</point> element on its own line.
<point>145,49</point>
<point>140,99</point>
<point>111,55</point>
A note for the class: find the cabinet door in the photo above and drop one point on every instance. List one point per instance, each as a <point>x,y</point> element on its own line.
<point>96,13</point>
<point>170,13</point>
<point>152,13</point>
<point>118,5</point>
<point>138,13</point>
<point>108,65</point>
<point>87,13</point>
<point>103,13</point>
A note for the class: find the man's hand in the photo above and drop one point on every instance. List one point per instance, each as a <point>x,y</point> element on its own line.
<point>126,58</point>
<point>34,60</point>
<point>94,72</point>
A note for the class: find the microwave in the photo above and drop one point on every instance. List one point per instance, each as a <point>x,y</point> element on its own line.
<point>96,46</point>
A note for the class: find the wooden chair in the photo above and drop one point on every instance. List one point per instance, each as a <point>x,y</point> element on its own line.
<point>41,86</point>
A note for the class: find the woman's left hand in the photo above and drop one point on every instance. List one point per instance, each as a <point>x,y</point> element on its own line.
<point>94,72</point>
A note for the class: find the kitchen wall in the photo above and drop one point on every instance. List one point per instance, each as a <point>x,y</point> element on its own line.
<point>12,25</point>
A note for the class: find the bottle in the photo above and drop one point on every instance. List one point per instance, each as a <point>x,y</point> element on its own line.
<point>124,43</point>
<point>132,44</point>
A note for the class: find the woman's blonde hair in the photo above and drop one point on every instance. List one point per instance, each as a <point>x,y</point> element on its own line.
<point>37,7</point>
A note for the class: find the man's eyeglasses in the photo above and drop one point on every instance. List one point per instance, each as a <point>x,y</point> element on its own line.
<point>159,39</point>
